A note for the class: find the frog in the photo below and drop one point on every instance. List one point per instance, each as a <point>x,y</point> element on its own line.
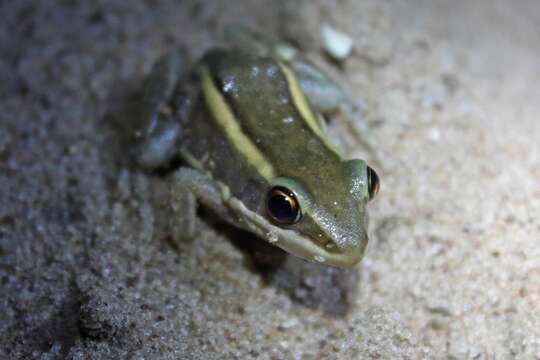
<point>247,124</point>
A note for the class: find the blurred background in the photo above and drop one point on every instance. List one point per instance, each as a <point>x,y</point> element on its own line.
<point>449,95</point>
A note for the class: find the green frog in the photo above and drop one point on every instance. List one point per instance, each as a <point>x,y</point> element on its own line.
<point>247,123</point>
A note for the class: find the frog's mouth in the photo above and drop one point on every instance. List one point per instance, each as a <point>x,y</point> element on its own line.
<point>299,245</point>
<point>312,250</point>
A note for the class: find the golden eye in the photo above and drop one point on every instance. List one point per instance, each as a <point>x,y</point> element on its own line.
<point>282,206</point>
<point>373,183</point>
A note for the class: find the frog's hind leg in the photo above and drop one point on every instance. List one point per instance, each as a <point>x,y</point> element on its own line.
<point>155,128</point>
<point>327,97</point>
<point>359,130</point>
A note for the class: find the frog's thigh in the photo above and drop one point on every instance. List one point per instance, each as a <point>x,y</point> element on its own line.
<point>324,94</point>
<point>155,129</point>
<point>189,186</point>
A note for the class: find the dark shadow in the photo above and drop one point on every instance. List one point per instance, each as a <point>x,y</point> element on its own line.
<point>312,285</point>
<point>58,334</point>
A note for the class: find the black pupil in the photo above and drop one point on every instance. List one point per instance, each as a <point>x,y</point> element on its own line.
<point>281,208</point>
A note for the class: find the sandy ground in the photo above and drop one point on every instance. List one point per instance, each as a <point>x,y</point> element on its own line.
<point>88,269</point>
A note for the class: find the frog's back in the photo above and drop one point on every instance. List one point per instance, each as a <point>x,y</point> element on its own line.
<point>271,131</point>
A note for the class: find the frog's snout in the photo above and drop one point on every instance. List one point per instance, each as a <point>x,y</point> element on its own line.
<point>344,250</point>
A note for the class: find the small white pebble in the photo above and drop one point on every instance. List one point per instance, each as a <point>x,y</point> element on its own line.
<point>434,135</point>
<point>336,43</point>
<point>319,258</point>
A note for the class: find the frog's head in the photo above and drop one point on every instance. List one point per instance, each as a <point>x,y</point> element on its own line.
<point>327,222</point>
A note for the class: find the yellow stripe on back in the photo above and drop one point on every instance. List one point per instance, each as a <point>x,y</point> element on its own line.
<point>301,104</point>
<point>224,118</point>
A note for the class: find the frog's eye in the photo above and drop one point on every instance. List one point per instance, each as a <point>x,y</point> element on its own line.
<point>373,183</point>
<point>282,206</point>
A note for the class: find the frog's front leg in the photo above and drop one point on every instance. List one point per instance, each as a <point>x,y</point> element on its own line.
<point>190,186</point>
<point>155,127</point>
<point>183,206</point>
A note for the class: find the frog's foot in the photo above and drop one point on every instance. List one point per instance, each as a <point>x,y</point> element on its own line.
<point>154,128</point>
